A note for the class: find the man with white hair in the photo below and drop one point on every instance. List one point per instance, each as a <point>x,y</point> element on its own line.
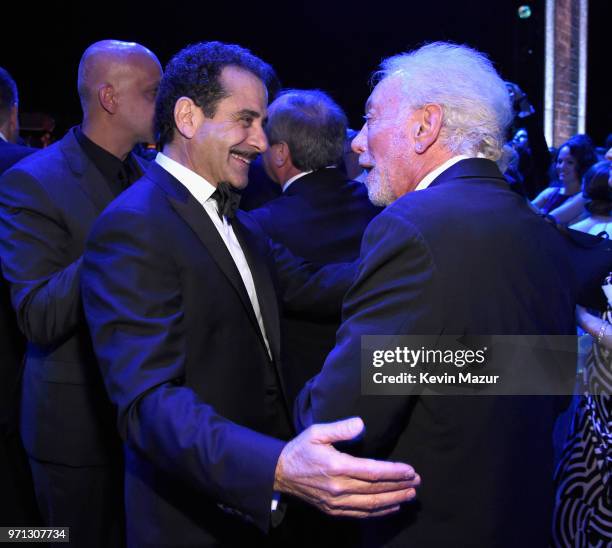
<point>48,203</point>
<point>455,252</point>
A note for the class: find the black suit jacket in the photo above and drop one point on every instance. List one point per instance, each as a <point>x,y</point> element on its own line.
<point>12,342</point>
<point>48,203</point>
<point>11,153</point>
<point>320,217</point>
<point>201,406</point>
<point>465,256</point>
<point>17,502</point>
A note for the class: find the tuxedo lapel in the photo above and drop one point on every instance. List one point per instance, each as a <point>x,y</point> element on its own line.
<point>266,293</point>
<point>195,216</point>
<point>89,178</point>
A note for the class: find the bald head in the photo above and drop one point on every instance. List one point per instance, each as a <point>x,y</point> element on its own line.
<point>117,85</point>
<point>110,62</point>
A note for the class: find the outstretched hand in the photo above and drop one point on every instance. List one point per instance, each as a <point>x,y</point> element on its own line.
<point>310,468</point>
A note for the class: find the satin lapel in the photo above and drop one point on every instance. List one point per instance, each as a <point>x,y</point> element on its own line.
<point>266,293</point>
<point>89,178</point>
<point>195,216</point>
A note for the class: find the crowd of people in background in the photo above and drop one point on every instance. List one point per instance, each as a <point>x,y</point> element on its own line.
<point>108,316</point>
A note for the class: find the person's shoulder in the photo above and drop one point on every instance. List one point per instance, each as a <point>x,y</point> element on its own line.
<point>37,161</point>
<point>48,167</point>
<point>141,197</point>
<point>15,150</point>
<point>11,154</point>
<point>426,205</point>
<point>276,209</point>
<point>396,221</point>
<point>546,192</point>
<point>140,212</point>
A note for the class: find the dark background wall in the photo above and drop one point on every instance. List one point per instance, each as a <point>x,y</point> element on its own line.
<point>332,45</point>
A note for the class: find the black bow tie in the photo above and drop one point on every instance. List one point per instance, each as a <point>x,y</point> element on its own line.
<point>227,200</point>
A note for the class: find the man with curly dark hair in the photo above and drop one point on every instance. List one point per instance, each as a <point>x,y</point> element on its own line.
<point>182,293</point>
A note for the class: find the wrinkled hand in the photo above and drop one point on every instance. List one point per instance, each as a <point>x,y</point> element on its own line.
<point>310,468</point>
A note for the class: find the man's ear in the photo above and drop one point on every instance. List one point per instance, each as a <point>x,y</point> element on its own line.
<point>280,154</point>
<point>108,98</point>
<point>185,117</point>
<point>13,124</point>
<point>427,129</point>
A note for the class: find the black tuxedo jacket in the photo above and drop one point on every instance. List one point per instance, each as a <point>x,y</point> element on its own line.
<point>201,406</point>
<point>320,217</point>
<point>48,203</point>
<point>465,256</point>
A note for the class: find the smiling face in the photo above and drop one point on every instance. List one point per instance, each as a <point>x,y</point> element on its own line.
<point>223,146</point>
<point>567,167</point>
<point>384,145</point>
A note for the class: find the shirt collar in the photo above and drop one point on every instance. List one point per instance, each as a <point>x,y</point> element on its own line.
<point>429,178</point>
<point>3,138</point>
<point>118,174</point>
<point>199,187</point>
<point>296,177</point>
<point>288,182</point>
<point>106,162</point>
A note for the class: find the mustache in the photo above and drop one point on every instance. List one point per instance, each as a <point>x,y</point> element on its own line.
<point>249,155</point>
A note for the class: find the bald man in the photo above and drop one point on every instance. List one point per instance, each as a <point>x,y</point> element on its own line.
<point>48,202</point>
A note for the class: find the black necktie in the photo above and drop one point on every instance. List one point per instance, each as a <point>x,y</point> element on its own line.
<point>227,200</point>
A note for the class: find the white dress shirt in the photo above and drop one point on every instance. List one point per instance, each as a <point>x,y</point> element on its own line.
<point>288,182</point>
<point>202,191</point>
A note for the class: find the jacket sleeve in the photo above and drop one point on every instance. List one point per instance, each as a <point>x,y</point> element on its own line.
<point>392,295</point>
<point>310,290</point>
<point>133,303</point>
<point>37,261</point>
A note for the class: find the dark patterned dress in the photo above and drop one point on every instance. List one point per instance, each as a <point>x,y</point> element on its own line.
<point>583,505</point>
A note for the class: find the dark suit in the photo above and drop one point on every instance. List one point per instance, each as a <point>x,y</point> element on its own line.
<point>11,153</point>
<point>260,190</point>
<point>201,406</point>
<point>465,256</point>
<point>320,217</point>
<point>17,504</point>
<point>48,204</point>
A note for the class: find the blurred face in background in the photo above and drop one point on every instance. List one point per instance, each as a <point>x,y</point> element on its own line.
<point>567,168</point>
<point>521,138</point>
